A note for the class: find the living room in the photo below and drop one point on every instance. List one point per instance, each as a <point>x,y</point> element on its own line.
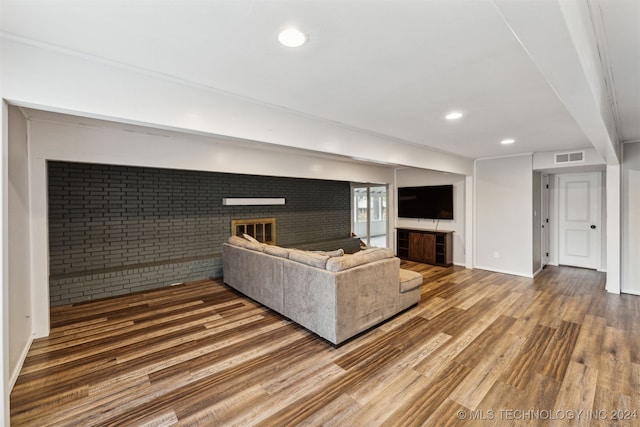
<point>88,110</point>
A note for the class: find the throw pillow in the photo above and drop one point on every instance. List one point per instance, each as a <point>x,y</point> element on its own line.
<point>243,243</point>
<point>330,254</point>
<point>276,251</point>
<point>250,238</point>
<point>308,258</point>
<point>237,241</point>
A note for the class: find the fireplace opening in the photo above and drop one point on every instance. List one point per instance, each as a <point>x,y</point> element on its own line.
<point>261,229</point>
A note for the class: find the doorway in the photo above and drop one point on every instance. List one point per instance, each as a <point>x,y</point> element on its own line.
<point>544,219</point>
<point>369,214</point>
<point>579,219</point>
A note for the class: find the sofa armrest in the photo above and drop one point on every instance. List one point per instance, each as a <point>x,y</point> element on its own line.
<point>255,274</point>
<point>339,305</point>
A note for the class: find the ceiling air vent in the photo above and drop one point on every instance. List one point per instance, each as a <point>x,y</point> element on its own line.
<point>573,157</point>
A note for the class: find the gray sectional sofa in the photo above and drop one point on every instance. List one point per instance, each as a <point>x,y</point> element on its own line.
<point>334,295</point>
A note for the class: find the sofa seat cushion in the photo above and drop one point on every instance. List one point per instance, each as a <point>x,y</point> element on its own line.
<point>409,280</point>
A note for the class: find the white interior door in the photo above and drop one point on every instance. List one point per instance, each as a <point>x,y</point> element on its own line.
<point>579,219</point>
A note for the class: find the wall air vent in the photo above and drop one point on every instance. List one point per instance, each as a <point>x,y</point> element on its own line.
<point>573,157</point>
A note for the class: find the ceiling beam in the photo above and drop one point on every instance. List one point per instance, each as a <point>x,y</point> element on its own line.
<point>559,38</point>
<point>82,85</point>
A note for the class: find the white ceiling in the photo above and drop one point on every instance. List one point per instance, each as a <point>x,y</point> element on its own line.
<point>387,67</point>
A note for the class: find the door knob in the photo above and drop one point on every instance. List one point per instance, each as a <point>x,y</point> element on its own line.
<point>593,227</point>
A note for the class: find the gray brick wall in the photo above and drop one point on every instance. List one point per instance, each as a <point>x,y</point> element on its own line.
<point>119,229</point>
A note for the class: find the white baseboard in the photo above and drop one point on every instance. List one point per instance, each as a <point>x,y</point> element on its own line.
<point>18,367</point>
<point>496,270</point>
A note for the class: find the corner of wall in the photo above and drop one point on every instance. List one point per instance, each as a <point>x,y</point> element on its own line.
<point>5,389</point>
<point>20,312</point>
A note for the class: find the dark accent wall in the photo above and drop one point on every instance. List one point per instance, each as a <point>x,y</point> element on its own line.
<point>119,229</point>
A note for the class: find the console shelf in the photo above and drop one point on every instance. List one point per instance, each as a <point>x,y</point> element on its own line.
<point>427,246</point>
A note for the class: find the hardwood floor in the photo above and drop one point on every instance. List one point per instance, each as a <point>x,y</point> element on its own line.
<point>481,348</point>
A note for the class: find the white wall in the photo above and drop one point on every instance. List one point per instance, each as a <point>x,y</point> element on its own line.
<point>630,277</point>
<point>19,245</point>
<point>100,142</point>
<point>504,214</point>
<point>604,223</point>
<point>412,177</point>
<point>96,141</point>
<point>546,160</point>
<point>613,235</point>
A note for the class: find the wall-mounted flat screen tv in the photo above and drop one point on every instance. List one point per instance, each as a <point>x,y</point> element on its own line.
<point>428,202</point>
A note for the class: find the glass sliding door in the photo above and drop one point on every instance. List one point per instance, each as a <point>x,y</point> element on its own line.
<point>369,206</point>
<point>378,216</point>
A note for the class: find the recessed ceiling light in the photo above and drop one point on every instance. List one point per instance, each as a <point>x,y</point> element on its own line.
<point>507,141</point>
<point>292,37</point>
<point>454,115</point>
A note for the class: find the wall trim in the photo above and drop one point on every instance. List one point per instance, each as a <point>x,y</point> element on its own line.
<point>23,356</point>
<point>497,270</point>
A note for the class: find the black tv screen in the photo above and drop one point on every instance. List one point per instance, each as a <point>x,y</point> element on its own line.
<point>428,202</point>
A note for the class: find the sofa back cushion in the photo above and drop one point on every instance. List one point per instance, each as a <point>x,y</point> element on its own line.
<point>346,262</point>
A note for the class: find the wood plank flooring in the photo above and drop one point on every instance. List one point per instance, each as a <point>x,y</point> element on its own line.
<point>481,348</point>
